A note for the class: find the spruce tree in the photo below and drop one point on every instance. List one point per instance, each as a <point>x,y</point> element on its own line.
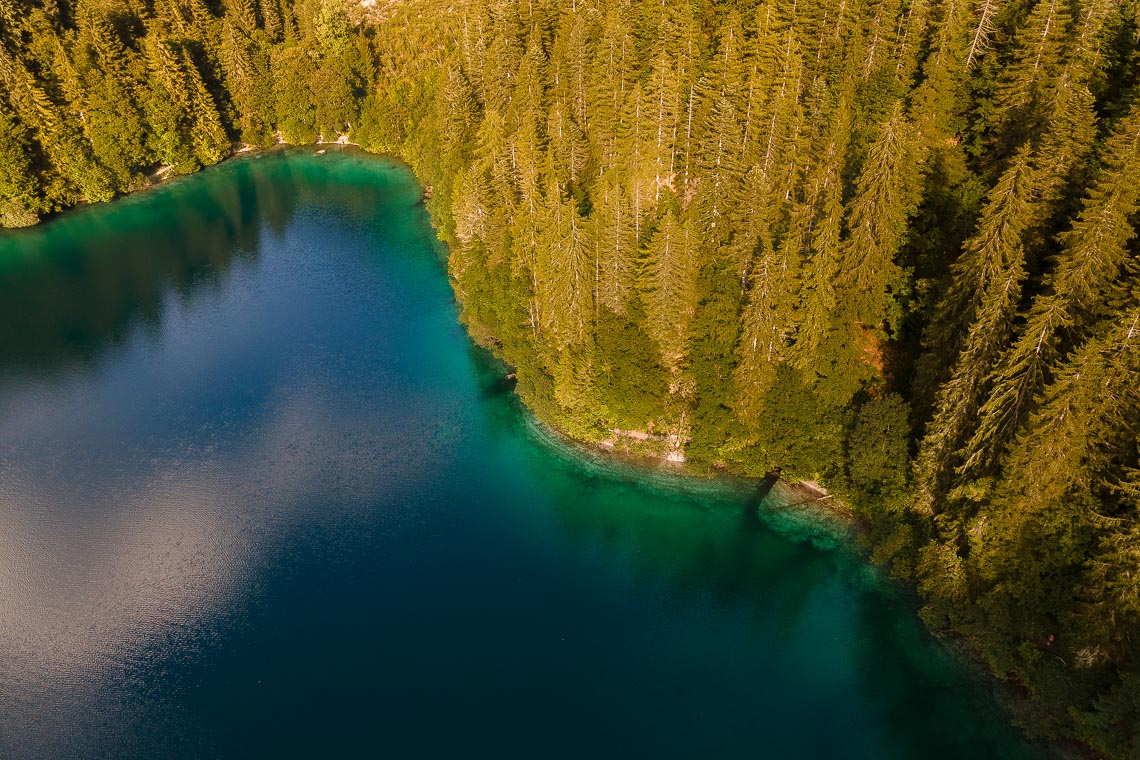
<point>19,195</point>
<point>972,322</point>
<point>668,283</point>
<point>1083,280</point>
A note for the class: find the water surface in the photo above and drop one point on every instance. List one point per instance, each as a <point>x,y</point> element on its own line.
<point>260,497</point>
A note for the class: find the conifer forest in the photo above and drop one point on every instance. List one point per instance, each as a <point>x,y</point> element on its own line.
<point>887,245</point>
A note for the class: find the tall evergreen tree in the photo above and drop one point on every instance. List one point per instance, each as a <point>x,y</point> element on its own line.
<point>975,316</point>
<point>669,288</point>
<point>1083,281</point>
<point>19,197</point>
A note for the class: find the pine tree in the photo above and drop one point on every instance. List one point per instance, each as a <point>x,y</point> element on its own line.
<point>658,113</point>
<point>976,311</point>
<point>912,36</point>
<point>612,77</point>
<point>614,248</point>
<point>1110,615</point>
<point>940,98</point>
<point>291,70</point>
<point>1026,81</point>
<point>105,90</point>
<point>503,57</point>
<point>779,124</point>
<point>768,141</point>
<point>273,21</point>
<point>987,13</point>
<point>1095,251</point>
<point>19,197</point>
<point>245,63</point>
<point>669,289</point>
<point>883,201</point>
<point>568,145</point>
<point>880,37</point>
<point>1070,131</point>
<point>768,320</point>
<point>69,152</point>
<point>824,205</point>
<point>565,270</point>
<point>869,280</point>
<point>998,240</point>
<point>713,138</point>
<point>1053,468</point>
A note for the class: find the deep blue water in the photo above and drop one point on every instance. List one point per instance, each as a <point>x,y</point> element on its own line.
<point>261,497</point>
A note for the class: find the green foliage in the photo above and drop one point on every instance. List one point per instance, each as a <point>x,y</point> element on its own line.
<point>821,236</point>
<point>877,447</point>
<point>19,199</point>
<point>293,109</point>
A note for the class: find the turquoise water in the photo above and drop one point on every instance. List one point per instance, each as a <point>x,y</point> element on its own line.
<point>261,497</point>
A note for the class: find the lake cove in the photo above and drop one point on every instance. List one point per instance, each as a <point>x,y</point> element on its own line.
<point>262,497</point>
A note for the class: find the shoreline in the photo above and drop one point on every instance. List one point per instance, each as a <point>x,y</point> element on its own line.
<point>771,494</point>
<point>164,174</point>
<point>806,494</point>
<point>807,500</point>
<point>803,505</point>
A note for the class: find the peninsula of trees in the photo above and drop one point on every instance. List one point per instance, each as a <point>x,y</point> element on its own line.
<point>886,244</point>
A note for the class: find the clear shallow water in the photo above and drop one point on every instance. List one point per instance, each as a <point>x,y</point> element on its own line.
<point>260,497</point>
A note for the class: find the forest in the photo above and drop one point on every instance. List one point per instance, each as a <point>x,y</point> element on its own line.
<point>888,245</point>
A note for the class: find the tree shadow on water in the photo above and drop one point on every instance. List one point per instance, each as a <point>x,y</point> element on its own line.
<point>90,279</point>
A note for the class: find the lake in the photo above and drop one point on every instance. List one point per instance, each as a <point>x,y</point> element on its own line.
<point>262,497</point>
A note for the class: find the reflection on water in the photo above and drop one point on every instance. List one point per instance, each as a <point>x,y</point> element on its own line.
<point>261,498</point>
<point>89,283</point>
